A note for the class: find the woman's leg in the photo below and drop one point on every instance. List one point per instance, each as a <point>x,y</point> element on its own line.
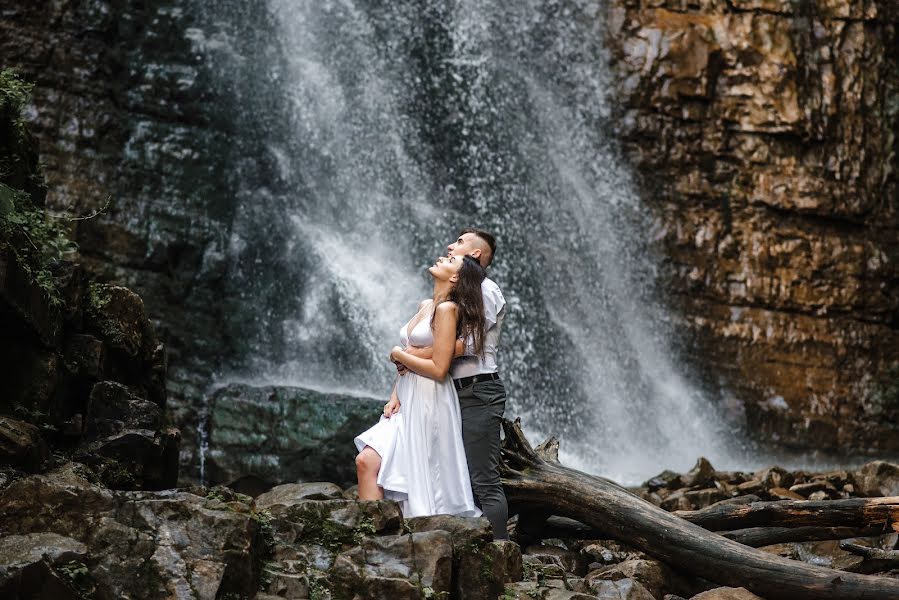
<point>368,463</point>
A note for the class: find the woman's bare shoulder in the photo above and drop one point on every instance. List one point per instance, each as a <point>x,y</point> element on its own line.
<point>447,308</point>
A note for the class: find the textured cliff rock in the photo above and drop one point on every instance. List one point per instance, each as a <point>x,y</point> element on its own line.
<point>133,106</point>
<point>83,373</point>
<point>765,131</point>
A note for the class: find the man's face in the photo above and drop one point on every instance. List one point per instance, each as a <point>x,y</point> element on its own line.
<point>466,245</point>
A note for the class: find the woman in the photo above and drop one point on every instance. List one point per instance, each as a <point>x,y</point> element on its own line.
<point>416,456</point>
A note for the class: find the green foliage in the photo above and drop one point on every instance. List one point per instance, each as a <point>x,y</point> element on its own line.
<point>266,529</point>
<point>35,239</point>
<point>14,93</point>
<point>318,590</point>
<point>79,576</point>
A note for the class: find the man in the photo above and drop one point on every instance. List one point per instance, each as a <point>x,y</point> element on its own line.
<point>482,396</point>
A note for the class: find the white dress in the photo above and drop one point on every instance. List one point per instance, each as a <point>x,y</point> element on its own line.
<point>423,464</point>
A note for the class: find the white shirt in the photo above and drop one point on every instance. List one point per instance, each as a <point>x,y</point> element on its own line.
<point>494,311</point>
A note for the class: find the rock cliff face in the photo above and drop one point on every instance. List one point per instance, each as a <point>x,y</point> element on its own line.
<point>131,108</point>
<point>765,131</point>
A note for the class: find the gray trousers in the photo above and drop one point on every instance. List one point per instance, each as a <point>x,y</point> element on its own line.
<point>482,407</point>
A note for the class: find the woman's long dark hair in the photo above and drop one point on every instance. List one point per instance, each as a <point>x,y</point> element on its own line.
<point>468,297</point>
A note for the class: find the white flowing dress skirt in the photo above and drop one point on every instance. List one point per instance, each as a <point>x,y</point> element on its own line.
<point>423,464</point>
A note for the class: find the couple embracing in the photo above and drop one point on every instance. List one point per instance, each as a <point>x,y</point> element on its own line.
<point>436,448</point>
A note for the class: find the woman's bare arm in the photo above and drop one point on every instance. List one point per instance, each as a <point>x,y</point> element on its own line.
<point>428,351</point>
<point>437,366</point>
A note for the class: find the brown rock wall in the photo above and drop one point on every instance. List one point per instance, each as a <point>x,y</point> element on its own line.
<point>765,135</point>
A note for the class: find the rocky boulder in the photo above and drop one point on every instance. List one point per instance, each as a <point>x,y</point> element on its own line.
<point>156,545</point>
<point>878,478</point>
<point>21,445</point>
<point>41,565</point>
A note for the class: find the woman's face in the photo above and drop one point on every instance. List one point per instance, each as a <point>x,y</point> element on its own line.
<point>446,268</point>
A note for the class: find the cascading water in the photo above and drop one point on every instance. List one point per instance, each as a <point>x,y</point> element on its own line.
<point>396,125</point>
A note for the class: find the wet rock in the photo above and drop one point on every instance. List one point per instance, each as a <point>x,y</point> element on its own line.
<point>285,434</point>
<point>21,445</point>
<point>465,531</point>
<point>704,497</point>
<point>117,315</point>
<point>665,479</point>
<point>878,478</point>
<point>135,459</point>
<point>775,477</point>
<point>399,567</point>
<point>29,563</point>
<point>83,355</point>
<point>165,543</point>
<point>727,593</point>
<point>113,407</point>
<point>620,589</point>
<point>701,475</point>
<point>293,493</point>
<point>482,571</point>
<point>677,501</point>
<point>334,523</point>
<point>567,560</point>
<point>656,577</point>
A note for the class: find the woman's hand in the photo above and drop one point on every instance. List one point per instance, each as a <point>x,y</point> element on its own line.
<point>393,406</point>
<point>394,354</point>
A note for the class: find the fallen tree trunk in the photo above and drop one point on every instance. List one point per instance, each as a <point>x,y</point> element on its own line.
<point>531,480</point>
<point>765,536</point>
<point>859,513</point>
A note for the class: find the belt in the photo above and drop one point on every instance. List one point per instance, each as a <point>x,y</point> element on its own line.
<point>467,381</point>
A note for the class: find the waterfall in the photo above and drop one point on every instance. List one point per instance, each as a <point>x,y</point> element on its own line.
<point>388,127</point>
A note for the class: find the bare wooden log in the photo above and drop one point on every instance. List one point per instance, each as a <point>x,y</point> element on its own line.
<point>547,485</point>
<point>860,513</point>
<point>877,560</point>
<point>757,537</point>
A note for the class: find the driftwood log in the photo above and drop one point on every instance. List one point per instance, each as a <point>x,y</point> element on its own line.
<point>536,479</point>
<point>860,513</point>
<point>765,536</point>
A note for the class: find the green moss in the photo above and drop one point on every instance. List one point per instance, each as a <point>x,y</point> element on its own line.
<point>318,590</point>
<point>116,475</point>
<point>266,530</point>
<point>79,578</point>
<point>365,527</point>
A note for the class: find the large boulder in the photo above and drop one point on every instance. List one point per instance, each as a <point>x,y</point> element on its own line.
<point>284,434</point>
<point>481,566</point>
<point>170,544</point>
<point>401,567</point>
<point>44,566</point>
<point>113,407</point>
<point>21,445</point>
<point>878,478</point>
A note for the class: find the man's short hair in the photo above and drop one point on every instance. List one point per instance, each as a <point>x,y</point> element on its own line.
<point>491,241</point>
